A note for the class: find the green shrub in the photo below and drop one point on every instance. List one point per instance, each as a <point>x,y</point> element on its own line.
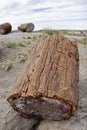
<point>14,45</point>
<point>29,37</point>
<point>7,67</point>
<point>11,45</point>
<point>22,58</point>
<point>85,41</point>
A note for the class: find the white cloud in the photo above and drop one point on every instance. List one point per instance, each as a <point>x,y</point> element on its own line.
<point>58,14</point>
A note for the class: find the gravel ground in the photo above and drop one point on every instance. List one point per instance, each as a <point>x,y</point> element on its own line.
<point>16,57</point>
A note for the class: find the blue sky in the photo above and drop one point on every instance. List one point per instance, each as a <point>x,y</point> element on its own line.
<point>56,14</point>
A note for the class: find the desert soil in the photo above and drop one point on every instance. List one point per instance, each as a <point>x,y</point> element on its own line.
<point>11,63</point>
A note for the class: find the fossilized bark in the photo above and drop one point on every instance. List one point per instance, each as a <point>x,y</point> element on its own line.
<point>48,86</point>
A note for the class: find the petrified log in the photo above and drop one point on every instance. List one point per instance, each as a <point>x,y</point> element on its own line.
<point>26,27</point>
<point>48,86</point>
<point>5,28</point>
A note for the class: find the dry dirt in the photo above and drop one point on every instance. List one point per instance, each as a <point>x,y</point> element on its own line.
<point>15,57</point>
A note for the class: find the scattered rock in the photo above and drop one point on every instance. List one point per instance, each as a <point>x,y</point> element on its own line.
<point>26,27</point>
<point>5,28</point>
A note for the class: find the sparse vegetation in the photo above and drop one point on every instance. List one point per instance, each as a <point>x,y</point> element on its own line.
<point>7,66</point>
<point>85,41</point>
<point>14,45</point>
<point>29,37</point>
<point>50,31</point>
<point>22,58</point>
<point>21,44</point>
<point>34,38</point>
<point>67,32</point>
<point>29,42</point>
<point>11,45</point>
<point>59,32</point>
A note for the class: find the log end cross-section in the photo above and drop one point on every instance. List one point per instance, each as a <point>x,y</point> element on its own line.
<point>48,85</point>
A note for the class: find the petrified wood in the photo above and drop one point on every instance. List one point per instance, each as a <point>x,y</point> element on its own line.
<point>5,28</point>
<point>48,85</point>
<point>26,27</point>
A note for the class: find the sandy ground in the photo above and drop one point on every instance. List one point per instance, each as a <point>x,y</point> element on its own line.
<point>16,57</point>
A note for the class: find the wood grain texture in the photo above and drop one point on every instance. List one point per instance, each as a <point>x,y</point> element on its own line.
<point>51,71</point>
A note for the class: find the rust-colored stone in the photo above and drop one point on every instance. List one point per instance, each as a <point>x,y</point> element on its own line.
<point>48,85</point>
<point>5,28</point>
<point>26,27</point>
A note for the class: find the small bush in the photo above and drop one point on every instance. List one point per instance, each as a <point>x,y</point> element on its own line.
<point>29,37</point>
<point>34,38</point>
<point>22,58</point>
<point>14,45</point>
<point>7,67</point>
<point>11,45</point>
